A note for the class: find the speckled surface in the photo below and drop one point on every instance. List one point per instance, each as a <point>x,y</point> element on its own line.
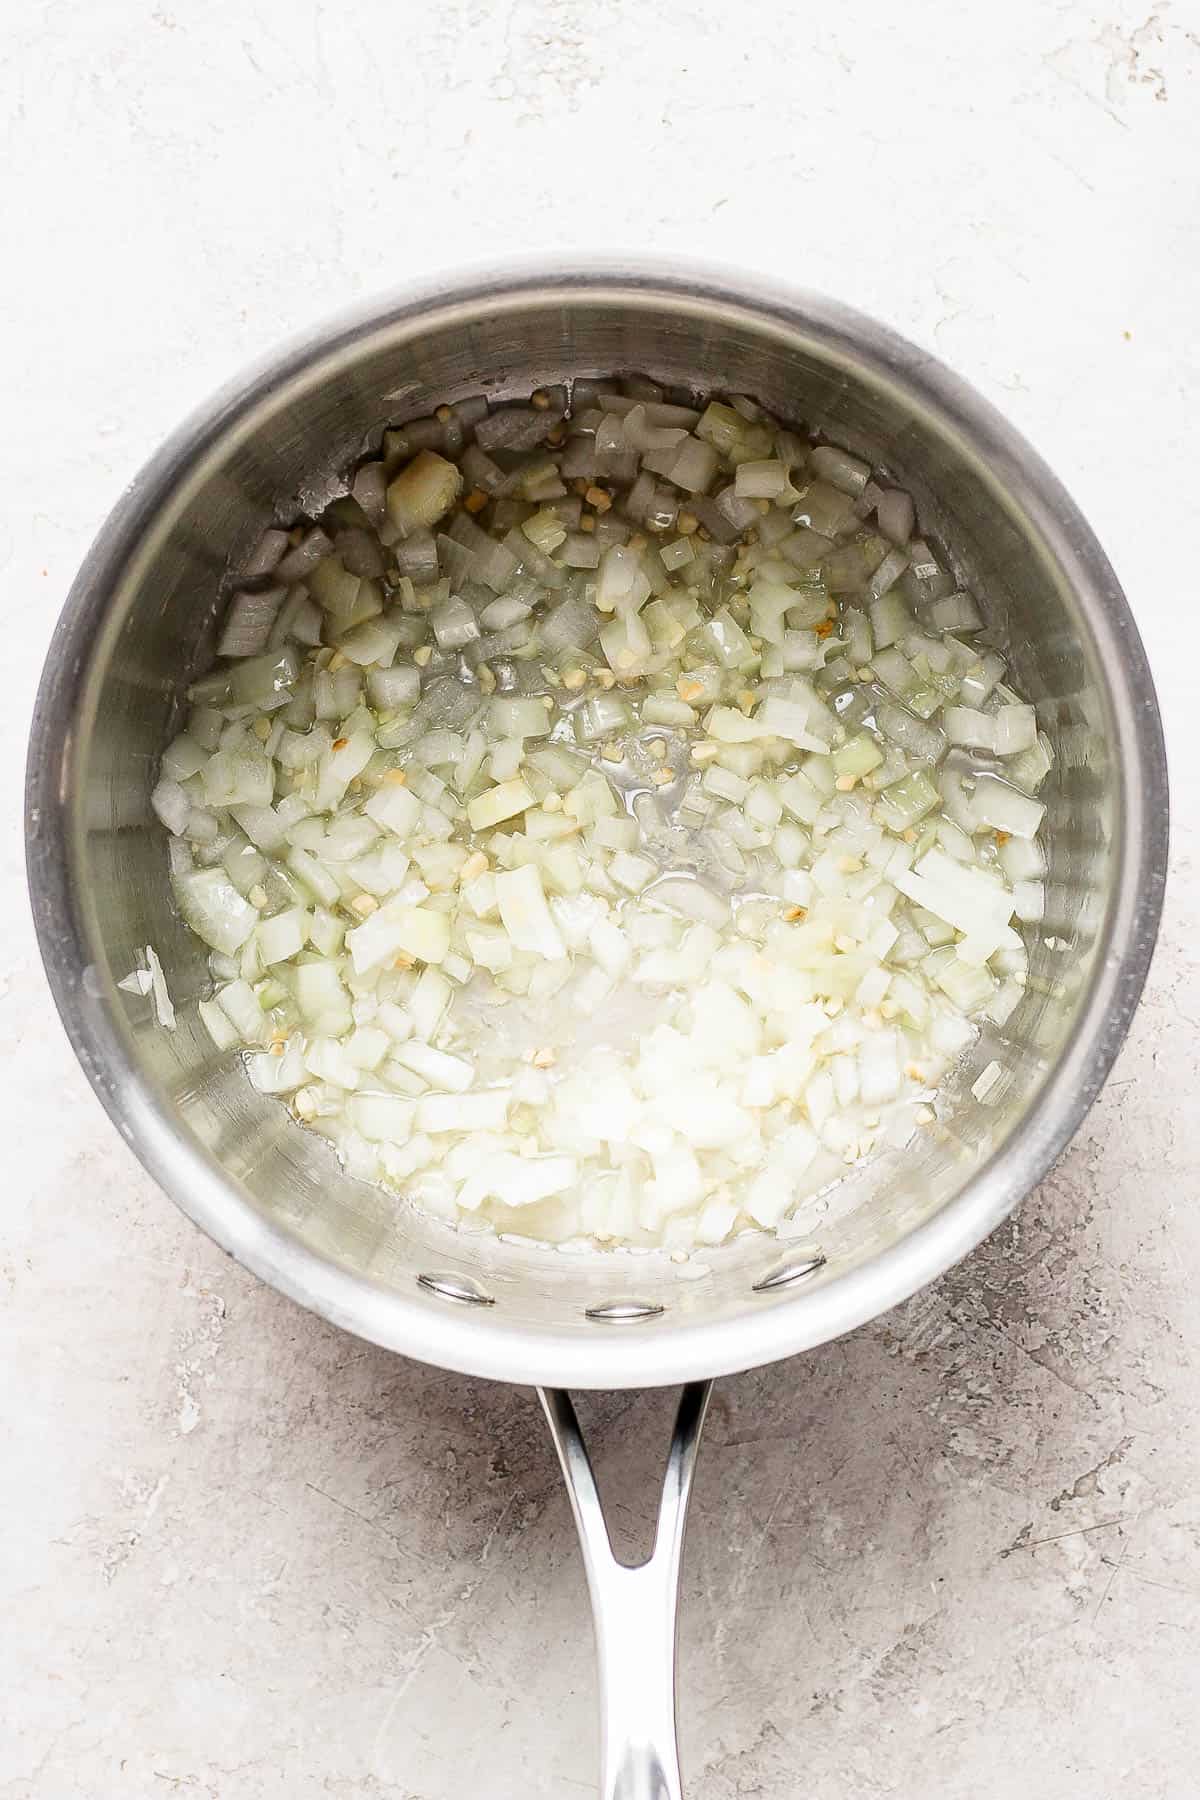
<point>956,1554</point>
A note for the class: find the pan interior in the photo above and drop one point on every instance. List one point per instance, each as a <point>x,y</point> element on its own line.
<point>286,444</point>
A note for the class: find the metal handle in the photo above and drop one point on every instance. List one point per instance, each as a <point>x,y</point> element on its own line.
<point>634,1608</point>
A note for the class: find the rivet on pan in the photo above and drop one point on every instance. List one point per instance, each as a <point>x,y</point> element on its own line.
<point>799,1262</point>
<point>623,1312</point>
<point>456,1287</point>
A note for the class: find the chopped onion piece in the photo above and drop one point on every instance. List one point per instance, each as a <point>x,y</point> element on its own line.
<point>454,624</point>
<point>956,612</point>
<point>501,802</point>
<point>761,481</point>
<point>171,805</point>
<point>214,909</point>
<point>423,493</point>
<point>525,914</point>
<point>463,1113</point>
<point>887,574</point>
<point>523,717</point>
<point>435,1066</point>
<point>839,469</point>
<point>966,726</point>
<point>895,515</point>
<point>248,622</point>
<point>1005,808</point>
<point>1014,730</point>
<point>398,928</point>
<point>283,936</point>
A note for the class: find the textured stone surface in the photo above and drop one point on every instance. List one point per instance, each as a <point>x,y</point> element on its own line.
<point>956,1554</point>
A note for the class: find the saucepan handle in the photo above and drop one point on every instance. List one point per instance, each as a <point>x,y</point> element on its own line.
<point>634,1609</point>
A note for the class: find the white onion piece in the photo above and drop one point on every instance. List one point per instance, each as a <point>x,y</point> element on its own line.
<point>761,481</point>
<point>171,805</point>
<point>895,515</point>
<point>521,901</point>
<point>966,726</point>
<point>503,801</point>
<point>462,1113</point>
<point>398,929</point>
<point>436,1066</point>
<point>423,493</point>
<point>214,909</point>
<point>840,469</point>
<point>248,622</point>
<point>1014,730</point>
<point>1005,808</point>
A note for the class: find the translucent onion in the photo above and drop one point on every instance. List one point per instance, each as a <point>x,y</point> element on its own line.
<point>631,718</point>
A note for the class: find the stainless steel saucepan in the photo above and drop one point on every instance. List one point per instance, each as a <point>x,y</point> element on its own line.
<point>140,623</point>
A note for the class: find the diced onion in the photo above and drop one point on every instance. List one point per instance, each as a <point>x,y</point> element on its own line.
<point>1005,808</point>
<point>651,713</point>
<point>895,515</point>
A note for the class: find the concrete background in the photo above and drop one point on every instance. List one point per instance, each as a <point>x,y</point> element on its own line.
<point>955,1554</point>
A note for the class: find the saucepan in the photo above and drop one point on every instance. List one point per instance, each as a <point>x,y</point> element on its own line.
<point>140,623</point>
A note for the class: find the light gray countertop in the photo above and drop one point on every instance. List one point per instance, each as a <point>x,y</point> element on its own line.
<point>956,1554</point>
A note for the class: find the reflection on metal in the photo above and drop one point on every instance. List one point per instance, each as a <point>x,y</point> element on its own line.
<point>804,1260</point>
<point>633,1606</point>
<point>623,1312</point>
<point>457,1287</point>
